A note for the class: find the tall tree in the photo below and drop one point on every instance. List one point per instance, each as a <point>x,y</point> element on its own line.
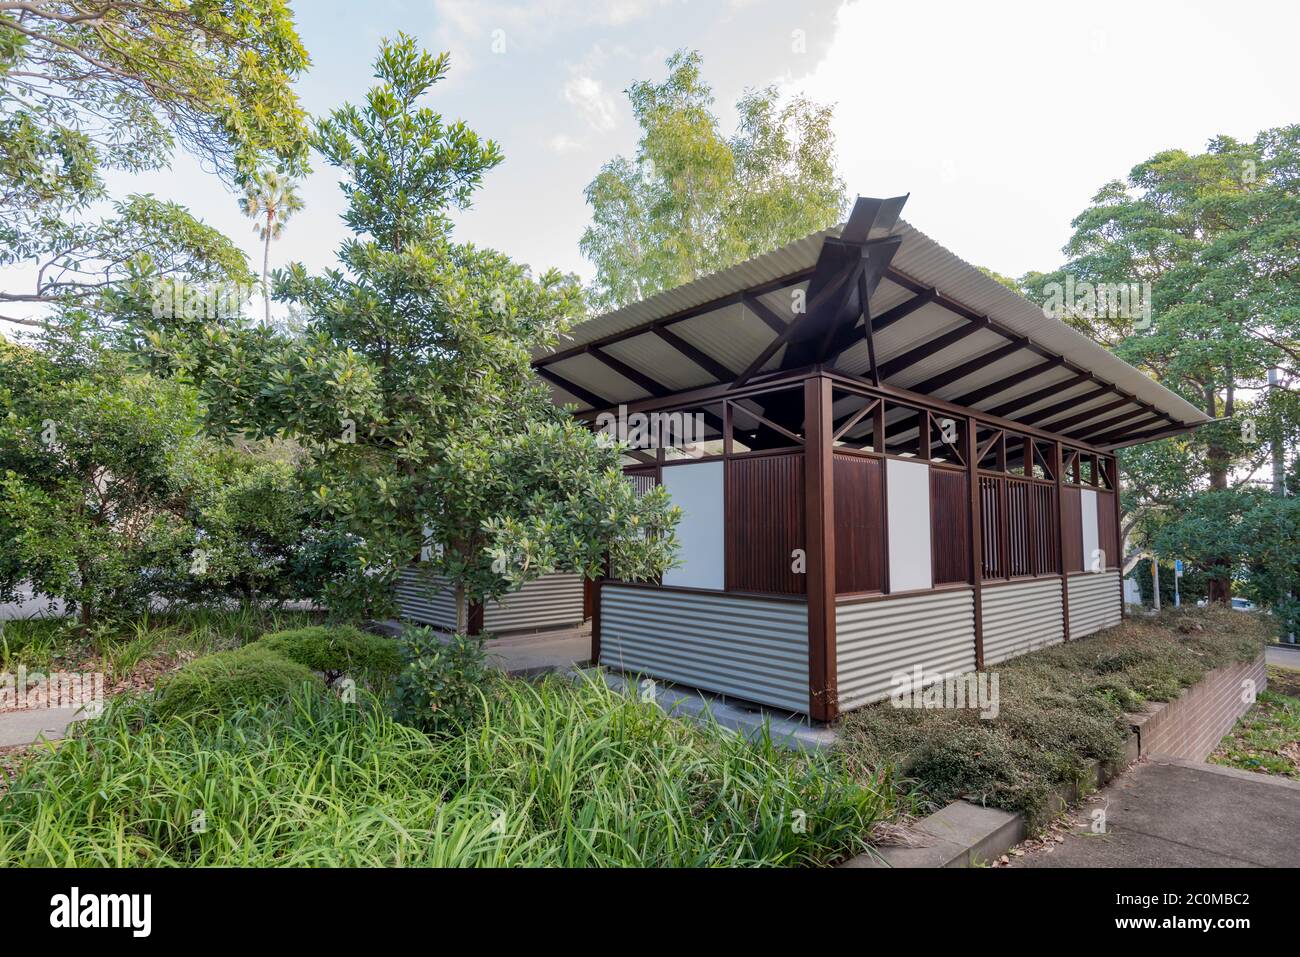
<point>1216,235</point>
<point>115,85</point>
<point>270,200</point>
<point>412,386</point>
<point>692,200</point>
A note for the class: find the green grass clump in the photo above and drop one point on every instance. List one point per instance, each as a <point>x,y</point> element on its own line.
<point>213,685</point>
<point>552,774</point>
<point>1060,709</point>
<point>1267,737</point>
<point>338,650</point>
<point>49,643</point>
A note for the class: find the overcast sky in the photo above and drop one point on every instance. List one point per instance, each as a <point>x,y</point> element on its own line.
<point>1000,119</point>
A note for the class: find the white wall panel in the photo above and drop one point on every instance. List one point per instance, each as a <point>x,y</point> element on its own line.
<point>697,489</point>
<point>1091,533</point>
<point>908,495</point>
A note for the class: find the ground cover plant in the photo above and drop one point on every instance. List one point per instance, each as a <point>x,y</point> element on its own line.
<point>549,774</point>
<point>135,654</point>
<point>338,650</point>
<point>1060,708</point>
<point>1267,738</point>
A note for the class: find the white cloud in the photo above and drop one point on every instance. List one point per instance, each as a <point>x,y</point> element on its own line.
<point>536,21</point>
<point>1002,128</point>
<point>586,94</point>
<point>559,143</point>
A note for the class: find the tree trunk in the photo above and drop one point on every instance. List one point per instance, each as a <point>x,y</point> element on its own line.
<point>1219,585</point>
<point>266,262</point>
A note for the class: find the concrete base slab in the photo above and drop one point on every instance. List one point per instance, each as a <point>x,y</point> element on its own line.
<point>26,727</point>
<point>526,655</point>
<point>788,731</point>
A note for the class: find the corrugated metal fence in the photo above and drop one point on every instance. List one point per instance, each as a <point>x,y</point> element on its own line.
<point>752,648</point>
<point>1094,602</point>
<point>875,640</point>
<point>552,601</point>
<point>1020,616</point>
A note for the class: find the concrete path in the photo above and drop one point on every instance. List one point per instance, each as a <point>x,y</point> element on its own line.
<point>1170,813</point>
<point>30,606</point>
<point>24,727</point>
<point>1283,657</point>
<point>541,653</point>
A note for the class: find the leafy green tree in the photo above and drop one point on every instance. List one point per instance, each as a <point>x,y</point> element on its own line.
<point>412,387</point>
<point>270,200</point>
<point>1255,533</point>
<point>693,201</point>
<point>1216,235</point>
<point>115,85</point>
<point>256,529</point>
<point>111,496</point>
<point>96,467</point>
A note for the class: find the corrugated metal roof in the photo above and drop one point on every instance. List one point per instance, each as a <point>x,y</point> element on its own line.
<point>734,336</point>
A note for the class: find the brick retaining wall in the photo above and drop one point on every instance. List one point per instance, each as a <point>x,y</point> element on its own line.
<point>1192,726</point>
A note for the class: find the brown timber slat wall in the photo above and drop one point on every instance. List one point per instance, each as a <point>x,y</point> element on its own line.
<point>1108,528</point>
<point>1018,527</point>
<point>1042,501</point>
<point>992,527</point>
<point>1072,529</point>
<point>949,524</point>
<point>765,523</point>
<point>859,524</point>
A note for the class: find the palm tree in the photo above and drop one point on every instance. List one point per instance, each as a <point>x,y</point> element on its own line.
<point>270,200</point>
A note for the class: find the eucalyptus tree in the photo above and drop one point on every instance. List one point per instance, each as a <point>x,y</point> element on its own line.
<point>1213,239</point>
<point>693,200</point>
<point>117,85</point>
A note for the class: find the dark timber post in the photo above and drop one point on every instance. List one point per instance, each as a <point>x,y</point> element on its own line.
<point>1059,470</point>
<point>1119,534</point>
<point>819,521</point>
<point>976,536</point>
<point>595,619</point>
<point>474,618</point>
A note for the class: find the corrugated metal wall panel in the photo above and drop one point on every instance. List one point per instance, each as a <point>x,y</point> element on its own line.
<point>1021,616</point>
<point>552,601</point>
<point>877,639</point>
<point>731,644</point>
<point>1094,602</point>
<point>429,600</point>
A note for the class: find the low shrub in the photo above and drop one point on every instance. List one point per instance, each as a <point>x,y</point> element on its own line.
<point>216,684</point>
<point>441,684</point>
<point>553,774</point>
<point>1060,708</point>
<point>337,651</point>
